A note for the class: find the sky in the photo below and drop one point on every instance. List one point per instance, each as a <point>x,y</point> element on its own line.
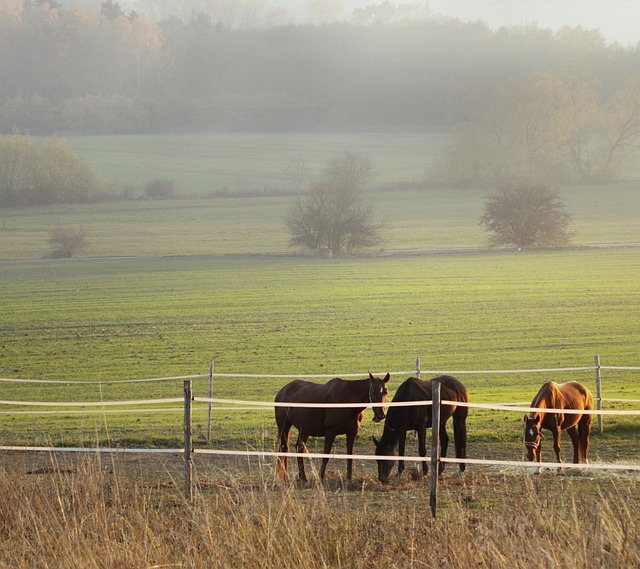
<point>618,20</point>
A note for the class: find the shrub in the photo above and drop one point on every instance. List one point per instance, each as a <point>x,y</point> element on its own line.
<point>67,242</point>
<point>159,189</point>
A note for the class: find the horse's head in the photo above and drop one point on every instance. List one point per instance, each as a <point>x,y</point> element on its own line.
<point>384,466</point>
<point>532,434</point>
<point>378,394</point>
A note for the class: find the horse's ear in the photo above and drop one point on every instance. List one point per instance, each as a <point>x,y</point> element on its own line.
<point>375,441</point>
<point>525,417</point>
<point>387,377</point>
<point>371,375</point>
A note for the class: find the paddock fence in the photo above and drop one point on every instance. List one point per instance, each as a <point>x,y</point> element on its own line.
<point>218,404</point>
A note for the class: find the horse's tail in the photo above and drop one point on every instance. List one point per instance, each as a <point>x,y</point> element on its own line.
<point>284,433</point>
<point>283,446</point>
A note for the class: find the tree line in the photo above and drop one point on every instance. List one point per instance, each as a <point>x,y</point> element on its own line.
<point>72,71</point>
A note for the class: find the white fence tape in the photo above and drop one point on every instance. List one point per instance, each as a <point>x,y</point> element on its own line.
<point>95,450</point>
<point>109,411</point>
<point>248,405</point>
<point>500,407</point>
<point>491,371</point>
<point>273,454</point>
<point>315,376</point>
<point>91,403</point>
<point>521,464</point>
<point>299,376</point>
<point>100,382</point>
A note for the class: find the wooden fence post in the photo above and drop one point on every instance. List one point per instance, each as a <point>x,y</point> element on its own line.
<point>599,393</point>
<point>435,444</point>
<point>209,404</point>
<point>188,441</point>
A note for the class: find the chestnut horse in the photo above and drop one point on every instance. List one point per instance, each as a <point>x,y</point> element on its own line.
<point>402,419</point>
<point>326,422</point>
<point>570,395</point>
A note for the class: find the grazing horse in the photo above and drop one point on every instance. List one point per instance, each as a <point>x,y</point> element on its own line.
<point>570,395</point>
<point>325,421</point>
<point>402,419</point>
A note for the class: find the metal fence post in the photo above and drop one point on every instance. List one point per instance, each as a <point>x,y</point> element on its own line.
<point>209,404</point>
<point>599,393</point>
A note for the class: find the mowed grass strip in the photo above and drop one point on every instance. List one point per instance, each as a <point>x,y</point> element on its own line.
<point>140,318</point>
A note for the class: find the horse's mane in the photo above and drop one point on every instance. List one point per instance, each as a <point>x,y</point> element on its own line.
<point>408,386</point>
<point>546,397</point>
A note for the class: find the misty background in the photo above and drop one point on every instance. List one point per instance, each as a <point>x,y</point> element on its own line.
<point>551,93</point>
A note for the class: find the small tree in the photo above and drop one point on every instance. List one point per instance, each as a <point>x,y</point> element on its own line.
<point>67,242</point>
<point>526,216</point>
<point>335,214</point>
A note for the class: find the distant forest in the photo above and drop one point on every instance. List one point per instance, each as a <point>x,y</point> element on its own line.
<point>68,71</point>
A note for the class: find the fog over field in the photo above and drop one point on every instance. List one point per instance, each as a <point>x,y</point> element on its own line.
<point>616,19</point>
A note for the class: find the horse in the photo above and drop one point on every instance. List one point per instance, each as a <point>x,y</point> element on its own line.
<point>402,419</point>
<point>326,422</point>
<point>552,395</point>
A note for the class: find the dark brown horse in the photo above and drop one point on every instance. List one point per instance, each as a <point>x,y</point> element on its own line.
<point>570,395</point>
<point>326,422</point>
<point>402,419</point>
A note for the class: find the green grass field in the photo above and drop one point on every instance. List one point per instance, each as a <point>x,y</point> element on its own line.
<point>201,164</point>
<point>138,318</point>
<point>414,220</point>
<point>164,287</point>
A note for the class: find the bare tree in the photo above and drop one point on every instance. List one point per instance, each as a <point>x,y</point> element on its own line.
<point>67,242</point>
<point>336,214</point>
<point>297,171</point>
<point>543,128</point>
<point>526,216</point>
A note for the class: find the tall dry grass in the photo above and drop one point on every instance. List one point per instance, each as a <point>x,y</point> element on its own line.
<point>92,515</point>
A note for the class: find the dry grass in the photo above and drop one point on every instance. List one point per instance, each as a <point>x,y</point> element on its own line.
<point>100,513</point>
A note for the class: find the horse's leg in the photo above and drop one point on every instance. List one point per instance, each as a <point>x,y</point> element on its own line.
<point>575,440</point>
<point>444,444</point>
<point>282,462</point>
<point>537,455</point>
<point>328,445</point>
<point>460,434</point>
<point>402,439</point>
<point>555,432</point>
<point>351,443</point>
<point>301,446</point>
<point>422,447</point>
<point>584,431</point>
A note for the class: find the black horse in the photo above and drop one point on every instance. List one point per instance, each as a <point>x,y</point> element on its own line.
<point>399,420</point>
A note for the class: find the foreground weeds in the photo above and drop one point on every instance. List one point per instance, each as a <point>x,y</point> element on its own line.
<point>94,515</point>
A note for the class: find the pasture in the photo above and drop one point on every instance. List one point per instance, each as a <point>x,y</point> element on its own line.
<point>437,218</point>
<point>119,319</point>
<point>167,286</point>
<point>255,163</point>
